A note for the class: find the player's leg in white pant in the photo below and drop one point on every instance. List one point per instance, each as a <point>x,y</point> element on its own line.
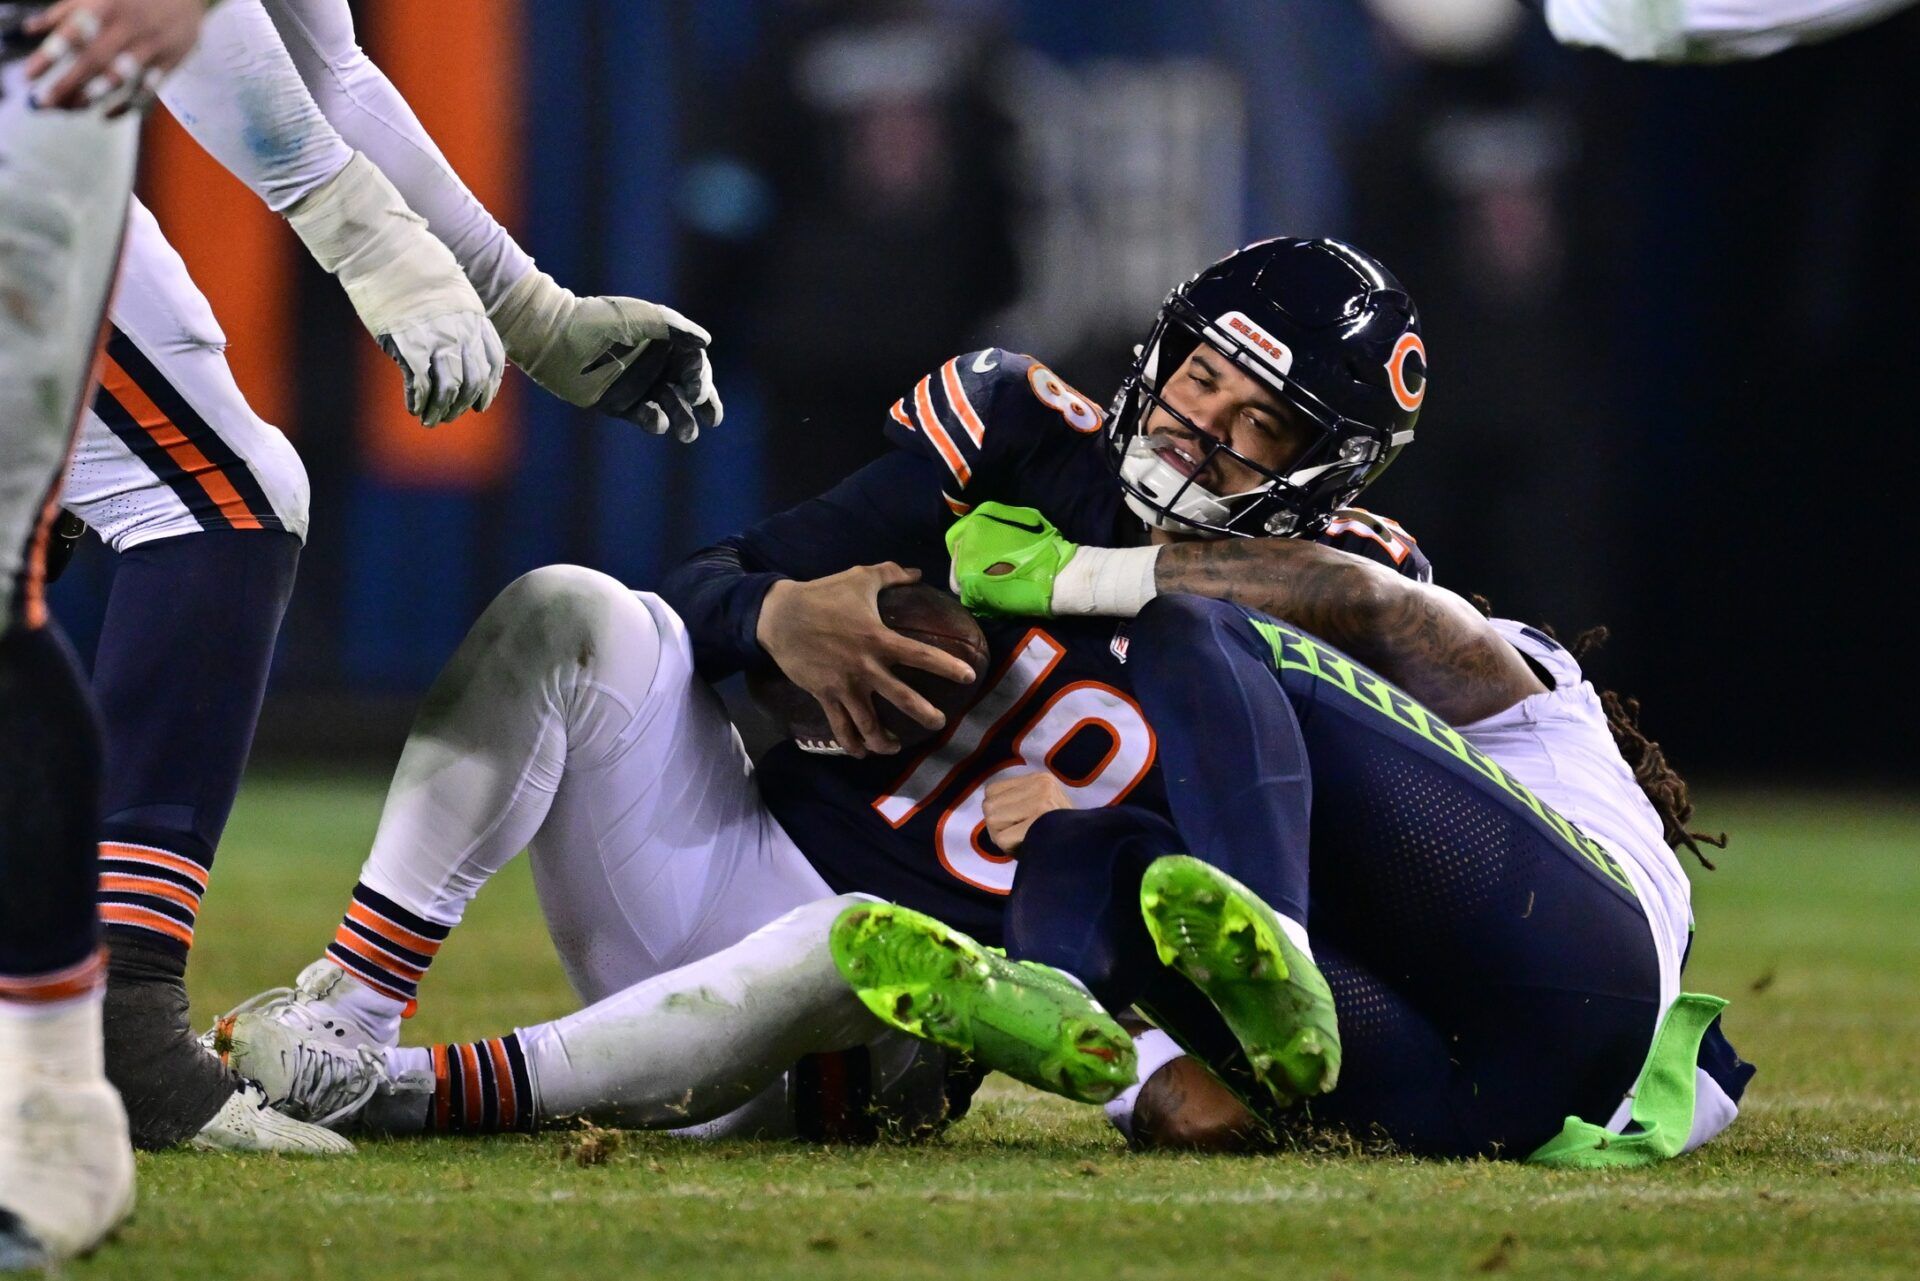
<point>707,1050</point>
<point>690,859</point>
<point>66,1170</point>
<point>204,507</point>
<point>362,104</point>
<point>678,1049</point>
<point>569,721</point>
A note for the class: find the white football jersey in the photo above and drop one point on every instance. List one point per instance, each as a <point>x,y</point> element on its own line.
<point>1709,30</point>
<point>1557,744</point>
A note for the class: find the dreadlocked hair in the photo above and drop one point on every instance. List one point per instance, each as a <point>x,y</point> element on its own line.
<point>1672,800</point>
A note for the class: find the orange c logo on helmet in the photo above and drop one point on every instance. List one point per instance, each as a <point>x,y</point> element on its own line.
<point>1409,385</point>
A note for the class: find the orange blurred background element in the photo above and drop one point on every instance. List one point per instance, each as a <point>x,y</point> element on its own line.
<point>476,120</point>
<point>241,255</point>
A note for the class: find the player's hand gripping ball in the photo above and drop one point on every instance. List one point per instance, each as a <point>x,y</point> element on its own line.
<point>920,613</point>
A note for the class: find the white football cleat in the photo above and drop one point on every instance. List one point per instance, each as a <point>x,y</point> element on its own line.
<point>246,1123</point>
<point>305,1073</point>
<point>311,1007</point>
<point>66,1164</point>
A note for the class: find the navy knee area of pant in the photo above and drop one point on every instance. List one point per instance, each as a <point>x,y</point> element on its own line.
<point>1174,633</point>
<point>49,805</point>
<point>180,674</point>
<point>1075,903</point>
<point>1238,776</point>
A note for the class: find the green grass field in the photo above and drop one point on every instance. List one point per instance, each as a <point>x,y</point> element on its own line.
<point>1809,927</point>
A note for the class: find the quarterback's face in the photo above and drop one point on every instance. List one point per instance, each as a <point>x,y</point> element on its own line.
<point>1225,403</point>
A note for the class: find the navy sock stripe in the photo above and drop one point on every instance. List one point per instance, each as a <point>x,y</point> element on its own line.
<point>399,915</point>
<point>140,838</point>
<point>153,903</point>
<point>387,945</point>
<point>457,1074</point>
<point>526,1111</point>
<point>489,1088</point>
<point>380,979</point>
<point>131,867</point>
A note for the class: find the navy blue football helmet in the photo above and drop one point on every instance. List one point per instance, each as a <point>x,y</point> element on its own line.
<point>1331,332</point>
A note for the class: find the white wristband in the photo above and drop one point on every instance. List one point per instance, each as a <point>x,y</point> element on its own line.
<point>1113,582</point>
<point>358,227</point>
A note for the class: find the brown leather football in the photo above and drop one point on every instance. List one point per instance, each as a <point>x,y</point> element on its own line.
<point>916,610</point>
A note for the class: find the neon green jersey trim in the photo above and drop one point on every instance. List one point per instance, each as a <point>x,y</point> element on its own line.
<point>1297,652</point>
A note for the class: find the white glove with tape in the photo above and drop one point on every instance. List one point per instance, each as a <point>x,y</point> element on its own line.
<point>407,287</point>
<point>632,359</point>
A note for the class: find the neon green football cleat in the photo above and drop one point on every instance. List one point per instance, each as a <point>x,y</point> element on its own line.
<point>1219,934</point>
<point>1028,1020</point>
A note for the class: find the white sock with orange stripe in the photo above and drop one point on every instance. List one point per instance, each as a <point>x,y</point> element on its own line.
<point>387,949</point>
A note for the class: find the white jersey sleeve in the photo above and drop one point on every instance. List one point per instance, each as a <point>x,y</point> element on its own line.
<point>1708,30</point>
<point>242,99</point>
<point>360,101</point>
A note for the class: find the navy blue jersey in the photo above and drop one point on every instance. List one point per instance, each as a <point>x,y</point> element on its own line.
<point>988,425</point>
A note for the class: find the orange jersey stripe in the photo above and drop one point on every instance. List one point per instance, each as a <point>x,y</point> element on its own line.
<point>387,929</point>
<point>36,587</point>
<point>473,1110</point>
<point>34,600</point>
<point>159,858</point>
<point>58,985</point>
<point>346,938</point>
<point>929,423</point>
<point>146,919</point>
<point>955,506</point>
<point>1388,521</point>
<point>503,1077</point>
<point>962,407</point>
<point>1388,543</point>
<point>442,1100</point>
<point>899,412</point>
<point>112,884</point>
<point>154,421</point>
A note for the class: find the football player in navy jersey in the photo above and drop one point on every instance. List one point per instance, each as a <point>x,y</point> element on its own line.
<point>799,588</point>
<point>569,722</point>
<point>1498,914</point>
<point>1276,385</point>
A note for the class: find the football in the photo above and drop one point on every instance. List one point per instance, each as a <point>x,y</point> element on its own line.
<point>915,610</point>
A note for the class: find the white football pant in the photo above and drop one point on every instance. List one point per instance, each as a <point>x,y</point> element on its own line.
<point>570,723</point>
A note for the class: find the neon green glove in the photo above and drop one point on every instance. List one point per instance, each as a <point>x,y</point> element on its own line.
<point>1005,560</point>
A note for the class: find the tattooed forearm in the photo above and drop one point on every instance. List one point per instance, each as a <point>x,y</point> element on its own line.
<point>1425,640</point>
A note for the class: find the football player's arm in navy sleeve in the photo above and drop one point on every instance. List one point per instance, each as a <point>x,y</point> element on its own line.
<point>888,510</point>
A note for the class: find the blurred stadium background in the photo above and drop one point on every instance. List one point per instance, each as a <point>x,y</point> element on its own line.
<point>1670,311</point>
